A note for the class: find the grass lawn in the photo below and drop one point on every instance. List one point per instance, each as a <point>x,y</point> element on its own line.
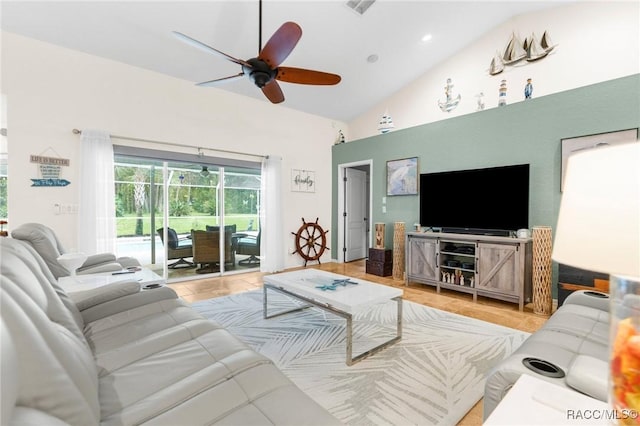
<point>126,226</point>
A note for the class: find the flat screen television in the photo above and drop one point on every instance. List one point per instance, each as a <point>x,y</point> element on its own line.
<point>491,201</point>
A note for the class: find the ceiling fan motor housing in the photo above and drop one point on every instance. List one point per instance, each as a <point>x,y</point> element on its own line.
<point>260,73</point>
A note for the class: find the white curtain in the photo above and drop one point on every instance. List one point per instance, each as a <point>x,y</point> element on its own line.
<point>96,209</point>
<point>271,240</point>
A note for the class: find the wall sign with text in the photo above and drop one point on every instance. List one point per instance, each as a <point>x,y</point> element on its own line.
<point>49,170</point>
<point>303,180</point>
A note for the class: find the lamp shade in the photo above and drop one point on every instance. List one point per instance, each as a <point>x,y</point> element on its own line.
<point>599,221</point>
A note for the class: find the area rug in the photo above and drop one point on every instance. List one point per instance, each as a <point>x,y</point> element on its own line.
<point>433,376</point>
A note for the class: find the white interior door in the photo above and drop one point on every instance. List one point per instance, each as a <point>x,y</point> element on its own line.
<point>355,214</point>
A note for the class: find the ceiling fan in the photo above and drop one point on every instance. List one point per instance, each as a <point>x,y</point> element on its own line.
<point>265,70</point>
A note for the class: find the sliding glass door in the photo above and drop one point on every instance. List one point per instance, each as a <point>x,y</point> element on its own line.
<point>210,211</point>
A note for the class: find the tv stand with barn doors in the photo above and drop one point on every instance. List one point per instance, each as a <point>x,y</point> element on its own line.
<point>481,265</point>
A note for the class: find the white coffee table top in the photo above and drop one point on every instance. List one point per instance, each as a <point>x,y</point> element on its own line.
<point>145,276</point>
<point>347,298</point>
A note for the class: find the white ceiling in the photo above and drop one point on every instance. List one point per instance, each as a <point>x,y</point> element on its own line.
<point>335,39</point>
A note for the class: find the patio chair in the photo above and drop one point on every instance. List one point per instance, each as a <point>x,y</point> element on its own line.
<point>249,245</point>
<point>206,250</point>
<point>177,248</point>
<point>234,239</point>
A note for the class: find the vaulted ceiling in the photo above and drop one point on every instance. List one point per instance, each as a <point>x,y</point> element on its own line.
<point>376,53</point>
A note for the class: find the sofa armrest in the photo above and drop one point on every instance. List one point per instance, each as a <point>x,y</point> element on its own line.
<point>589,376</point>
<point>127,302</point>
<point>591,298</point>
<point>99,268</point>
<point>96,259</point>
<point>89,298</point>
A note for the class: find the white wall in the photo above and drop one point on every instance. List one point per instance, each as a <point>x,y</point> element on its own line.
<point>597,41</point>
<point>51,90</point>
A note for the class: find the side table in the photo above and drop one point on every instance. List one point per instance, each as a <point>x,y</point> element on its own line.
<point>144,276</point>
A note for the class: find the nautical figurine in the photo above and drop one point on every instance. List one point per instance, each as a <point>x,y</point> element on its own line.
<point>502,93</point>
<point>480,97</point>
<point>528,89</point>
<point>450,102</point>
<point>461,279</point>
<point>471,281</point>
<point>340,137</point>
<point>386,123</point>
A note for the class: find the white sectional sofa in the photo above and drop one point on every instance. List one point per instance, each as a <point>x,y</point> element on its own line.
<point>569,350</point>
<point>125,356</point>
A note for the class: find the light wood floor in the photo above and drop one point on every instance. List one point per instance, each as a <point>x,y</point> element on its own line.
<point>485,309</point>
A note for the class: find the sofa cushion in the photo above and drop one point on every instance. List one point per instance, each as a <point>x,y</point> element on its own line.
<point>56,370</point>
<point>20,264</point>
<point>143,323</point>
<point>589,375</point>
<point>44,242</point>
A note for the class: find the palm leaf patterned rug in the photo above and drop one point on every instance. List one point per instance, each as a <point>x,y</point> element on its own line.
<point>433,376</point>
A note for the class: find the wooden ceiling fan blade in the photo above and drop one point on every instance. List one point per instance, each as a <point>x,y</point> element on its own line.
<point>303,76</point>
<point>200,45</point>
<point>219,81</point>
<point>280,44</point>
<point>273,92</point>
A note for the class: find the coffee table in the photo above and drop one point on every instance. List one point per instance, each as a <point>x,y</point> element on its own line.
<point>144,276</point>
<point>348,297</point>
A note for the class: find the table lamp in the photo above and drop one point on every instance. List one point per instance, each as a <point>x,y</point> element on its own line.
<point>599,230</point>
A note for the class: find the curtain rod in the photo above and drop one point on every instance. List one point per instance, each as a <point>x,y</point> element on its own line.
<point>199,148</point>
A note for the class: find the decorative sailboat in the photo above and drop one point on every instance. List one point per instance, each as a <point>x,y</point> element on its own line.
<point>534,50</point>
<point>531,49</point>
<point>545,42</point>
<point>496,66</point>
<point>450,102</point>
<point>514,52</point>
<point>386,123</point>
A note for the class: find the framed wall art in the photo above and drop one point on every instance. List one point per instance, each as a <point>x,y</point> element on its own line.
<point>402,176</point>
<point>571,146</point>
<point>303,180</point>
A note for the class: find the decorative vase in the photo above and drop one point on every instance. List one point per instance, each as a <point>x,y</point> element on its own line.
<point>542,302</point>
<point>398,251</point>
<point>379,227</point>
<point>624,345</point>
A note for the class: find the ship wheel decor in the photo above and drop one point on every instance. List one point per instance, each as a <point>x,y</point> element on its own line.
<point>311,241</point>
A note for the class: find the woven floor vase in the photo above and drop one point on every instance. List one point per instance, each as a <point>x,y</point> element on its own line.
<point>398,251</point>
<point>542,301</point>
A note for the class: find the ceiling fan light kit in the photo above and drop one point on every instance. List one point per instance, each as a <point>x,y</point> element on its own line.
<point>264,71</point>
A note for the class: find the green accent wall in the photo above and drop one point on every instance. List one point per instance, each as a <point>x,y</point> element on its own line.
<point>524,132</point>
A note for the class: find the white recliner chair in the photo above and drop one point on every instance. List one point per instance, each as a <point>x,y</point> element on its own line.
<point>44,240</point>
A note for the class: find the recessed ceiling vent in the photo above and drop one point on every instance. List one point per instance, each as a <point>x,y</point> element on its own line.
<point>360,6</point>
